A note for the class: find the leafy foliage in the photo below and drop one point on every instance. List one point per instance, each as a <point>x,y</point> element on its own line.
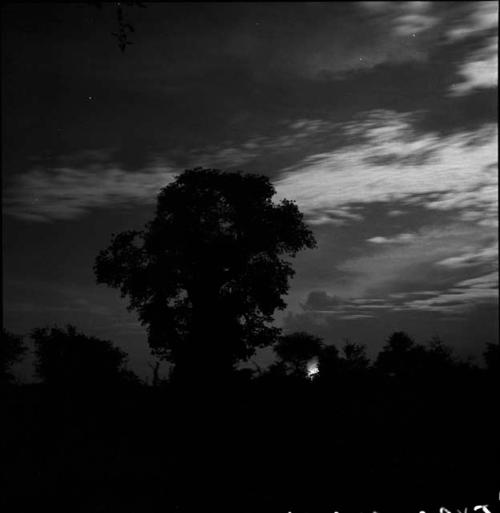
<point>208,272</point>
<point>354,357</point>
<point>69,358</point>
<point>397,356</point>
<point>492,357</point>
<point>12,350</point>
<point>296,349</point>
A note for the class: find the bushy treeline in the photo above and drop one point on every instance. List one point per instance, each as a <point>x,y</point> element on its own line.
<point>400,357</point>
<point>67,357</point>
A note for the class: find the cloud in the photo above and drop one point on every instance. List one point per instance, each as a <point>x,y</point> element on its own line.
<point>490,280</point>
<point>337,168</point>
<point>480,70</point>
<point>89,179</point>
<point>397,239</point>
<point>320,302</point>
<point>459,171</point>
<point>43,195</point>
<point>482,17</point>
<point>472,258</point>
<point>462,297</point>
<point>480,67</point>
<point>403,18</point>
<point>458,298</point>
<point>433,258</point>
<point>469,28</point>
<point>412,24</point>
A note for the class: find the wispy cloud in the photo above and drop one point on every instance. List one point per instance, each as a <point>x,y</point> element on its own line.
<point>424,23</point>
<point>436,255</point>
<point>473,257</point>
<point>397,239</point>
<point>403,18</point>
<point>377,157</point>
<point>480,67</point>
<point>90,179</point>
<point>465,295</point>
<point>462,296</point>
<point>67,192</point>
<point>482,17</point>
<point>391,161</point>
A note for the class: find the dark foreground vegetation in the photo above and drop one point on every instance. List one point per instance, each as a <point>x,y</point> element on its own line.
<point>414,431</point>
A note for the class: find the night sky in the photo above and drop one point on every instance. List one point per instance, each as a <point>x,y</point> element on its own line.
<point>378,118</point>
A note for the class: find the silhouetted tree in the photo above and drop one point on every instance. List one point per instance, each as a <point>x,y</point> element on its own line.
<point>350,362</point>
<point>275,373</point>
<point>69,358</point>
<point>12,350</point>
<point>296,350</point>
<point>397,357</point>
<point>439,357</point>
<point>207,274</point>
<point>402,356</point>
<point>354,358</point>
<point>492,357</point>
<point>154,368</point>
<point>328,363</point>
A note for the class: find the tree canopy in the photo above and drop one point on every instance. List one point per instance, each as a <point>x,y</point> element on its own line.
<point>296,349</point>
<point>491,357</point>
<point>12,350</point>
<point>208,272</point>
<point>69,358</point>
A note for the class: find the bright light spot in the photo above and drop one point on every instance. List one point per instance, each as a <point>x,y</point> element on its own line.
<point>312,368</point>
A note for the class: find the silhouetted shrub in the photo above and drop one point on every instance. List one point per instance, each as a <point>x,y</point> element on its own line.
<point>492,357</point>
<point>68,358</point>
<point>296,350</point>
<point>12,350</point>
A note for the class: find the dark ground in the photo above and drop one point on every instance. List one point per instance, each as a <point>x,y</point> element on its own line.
<point>371,444</point>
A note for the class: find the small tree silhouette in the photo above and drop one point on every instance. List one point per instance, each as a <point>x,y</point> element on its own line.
<point>69,358</point>
<point>492,357</point>
<point>354,358</point>
<point>296,350</point>
<point>397,356</point>
<point>156,375</point>
<point>439,358</point>
<point>328,363</point>
<point>207,274</point>
<point>12,350</point>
